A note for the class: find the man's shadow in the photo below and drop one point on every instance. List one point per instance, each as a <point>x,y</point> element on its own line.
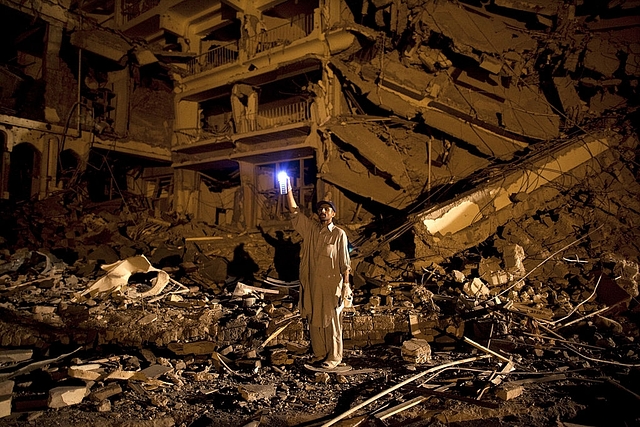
<point>286,259</point>
<point>242,267</point>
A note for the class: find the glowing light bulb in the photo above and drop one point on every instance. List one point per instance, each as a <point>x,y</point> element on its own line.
<point>283,179</point>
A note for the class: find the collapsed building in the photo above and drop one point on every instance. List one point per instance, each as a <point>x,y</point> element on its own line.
<point>482,155</point>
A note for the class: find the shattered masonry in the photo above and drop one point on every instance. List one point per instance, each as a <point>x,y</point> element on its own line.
<point>483,157</point>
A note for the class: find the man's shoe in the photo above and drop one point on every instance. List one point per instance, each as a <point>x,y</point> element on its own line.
<point>327,364</point>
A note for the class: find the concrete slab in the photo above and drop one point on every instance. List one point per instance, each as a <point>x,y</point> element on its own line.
<point>472,217</point>
<point>384,158</point>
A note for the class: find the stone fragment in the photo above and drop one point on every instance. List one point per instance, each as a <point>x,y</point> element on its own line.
<point>458,276</point>
<point>41,309</point>
<point>296,347</point>
<point>252,392</point>
<point>416,350</point>
<point>104,406</point>
<point>6,390</point>
<point>60,397</point>
<point>153,371</point>
<point>508,392</point>
<point>105,392</point>
<point>322,378</point>
<point>89,372</point>
<point>476,288</point>
<point>278,356</point>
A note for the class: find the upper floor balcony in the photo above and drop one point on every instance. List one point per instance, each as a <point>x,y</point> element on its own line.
<point>131,9</point>
<point>277,117</point>
<point>281,36</point>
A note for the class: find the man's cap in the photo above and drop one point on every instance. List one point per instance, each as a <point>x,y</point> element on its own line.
<point>326,203</point>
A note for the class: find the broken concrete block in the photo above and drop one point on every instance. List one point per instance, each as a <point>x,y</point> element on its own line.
<point>6,387</point>
<point>89,372</point>
<point>252,392</point>
<point>416,350</point>
<point>278,356</point>
<point>59,397</point>
<point>491,64</point>
<point>628,271</point>
<point>40,309</point>
<point>105,392</point>
<point>153,371</point>
<point>476,288</point>
<point>414,328</point>
<point>508,392</point>
<point>6,390</point>
<point>512,256</point>
<point>119,374</point>
<point>297,347</point>
<point>148,356</point>
<point>428,62</point>
<point>498,278</point>
<point>104,406</point>
<point>5,405</point>
<point>601,56</point>
<point>458,276</point>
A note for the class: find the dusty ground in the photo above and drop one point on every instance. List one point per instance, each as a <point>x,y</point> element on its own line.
<point>584,397</point>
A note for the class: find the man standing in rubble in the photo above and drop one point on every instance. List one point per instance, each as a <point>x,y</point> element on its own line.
<point>324,279</point>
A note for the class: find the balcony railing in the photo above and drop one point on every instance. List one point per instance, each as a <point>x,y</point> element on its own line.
<point>189,136</point>
<point>213,58</point>
<point>276,116</point>
<point>131,9</point>
<point>283,35</point>
<point>267,118</point>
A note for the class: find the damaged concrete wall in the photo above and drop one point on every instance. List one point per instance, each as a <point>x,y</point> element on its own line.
<point>151,112</point>
<point>488,80</point>
<point>471,218</point>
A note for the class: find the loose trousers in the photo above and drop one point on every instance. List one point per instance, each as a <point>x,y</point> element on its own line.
<point>326,342</point>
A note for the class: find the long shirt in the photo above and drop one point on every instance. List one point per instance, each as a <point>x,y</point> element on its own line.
<point>324,258</point>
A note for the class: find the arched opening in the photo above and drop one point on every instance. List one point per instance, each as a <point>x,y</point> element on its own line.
<point>24,172</point>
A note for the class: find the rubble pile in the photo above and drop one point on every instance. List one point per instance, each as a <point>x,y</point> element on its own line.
<point>109,312</point>
<point>501,136</point>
